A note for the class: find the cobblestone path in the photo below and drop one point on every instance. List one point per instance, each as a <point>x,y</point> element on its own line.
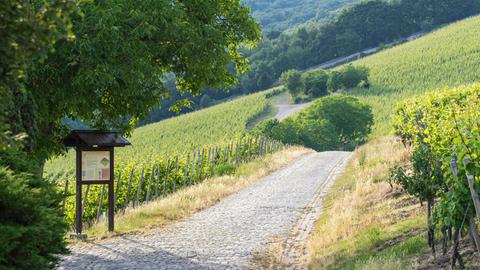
<point>225,235</point>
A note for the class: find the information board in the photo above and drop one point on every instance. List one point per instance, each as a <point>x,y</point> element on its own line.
<point>95,165</point>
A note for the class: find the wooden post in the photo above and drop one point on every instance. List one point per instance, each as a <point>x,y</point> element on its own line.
<point>175,175</point>
<point>213,161</point>
<point>166,177</point>
<point>111,195</point>
<point>200,170</point>
<point>185,174</point>
<point>147,198</point>
<point>118,186</point>
<point>159,178</point>
<point>192,171</point>
<point>139,189</point>
<point>207,163</point>
<point>99,210</point>
<point>129,188</point>
<point>473,193</point>
<point>85,198</point>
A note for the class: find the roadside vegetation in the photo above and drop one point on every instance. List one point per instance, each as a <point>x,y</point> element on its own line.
<point>367,224</point>
<point>324,125</point>
<point>374,219</point>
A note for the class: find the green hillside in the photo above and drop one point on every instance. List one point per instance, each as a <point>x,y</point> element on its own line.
<point>209,127</point>
<point>280,15</point>
<point>447,57</point>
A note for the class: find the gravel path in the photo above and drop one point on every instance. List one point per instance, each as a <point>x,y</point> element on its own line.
<point>225,235</point>
<point>285,109</point>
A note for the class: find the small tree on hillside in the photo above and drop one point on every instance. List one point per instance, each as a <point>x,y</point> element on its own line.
<point>315,83</point>
<point>334,82</point>
<point>353,76</point>
<point>292,80</point>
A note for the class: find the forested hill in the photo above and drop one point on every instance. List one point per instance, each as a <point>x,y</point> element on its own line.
<point>366,24</point>
<point>276,16</point>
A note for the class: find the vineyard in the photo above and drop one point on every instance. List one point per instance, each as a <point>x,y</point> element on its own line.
<point>444,129</point>
<point>179,135</point>
<point>136,184</point>
<point>179,151</point>
<point>445,58</point>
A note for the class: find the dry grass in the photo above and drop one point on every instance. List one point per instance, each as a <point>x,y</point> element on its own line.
<point>363,212</point>
<point>186,202</point>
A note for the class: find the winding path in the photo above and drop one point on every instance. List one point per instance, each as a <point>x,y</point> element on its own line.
<point>285,109</point>
<point>226,235</point>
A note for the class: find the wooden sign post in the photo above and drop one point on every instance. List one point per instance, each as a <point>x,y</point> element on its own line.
<point>94,165</point>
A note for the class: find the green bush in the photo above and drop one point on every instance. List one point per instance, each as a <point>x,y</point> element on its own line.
<point>32,226</point>
<point>292,80</point>
<point>330,123</point>
<point>315,83</point>
<point>334,82</point>
<point>348,76</point>
<point>225,169</point>
<point>352,119</point>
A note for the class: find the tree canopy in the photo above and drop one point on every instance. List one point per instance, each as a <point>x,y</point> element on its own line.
<point>111,74</point>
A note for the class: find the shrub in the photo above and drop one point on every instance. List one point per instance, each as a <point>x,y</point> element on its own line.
<point>347,77</point>
<point>225,169</point>
<point>352,119</point>
<point>331,123</point>
<point>32,226</point>
<point>352,76</point>
<point>334,82</point>
<point>315,83</point>
<point>205,101</point>
<point>292,80</point>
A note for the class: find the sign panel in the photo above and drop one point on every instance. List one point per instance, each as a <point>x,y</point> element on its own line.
<point>95,165</point>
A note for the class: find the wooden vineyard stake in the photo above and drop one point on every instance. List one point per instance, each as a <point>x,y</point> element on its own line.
<point>473,193</point>
<point>99,210</point>
<point>166,177</point>
<point>159,178</point>
<point>85,198</point>
<point>147,198</point>
<point>129,188</point>
<point>139,189</point>
<point>118,186</point>
<point>186,171</point>
<point>176,173</point>
<point>192,171</point>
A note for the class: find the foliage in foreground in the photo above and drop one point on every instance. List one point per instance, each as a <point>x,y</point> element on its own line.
<point>446,125</point>
<point>31,222</point>
<point>366,225</point>
<point>334,122</point>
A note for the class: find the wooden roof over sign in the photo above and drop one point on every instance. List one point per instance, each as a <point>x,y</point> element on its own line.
<point>94,138</point>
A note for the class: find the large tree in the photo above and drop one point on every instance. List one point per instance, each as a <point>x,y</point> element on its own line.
<point>111,73</point>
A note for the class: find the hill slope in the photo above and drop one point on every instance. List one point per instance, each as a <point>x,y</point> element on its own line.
<point>447,57</point>
<point>280,15</point>
<point>209,127</point>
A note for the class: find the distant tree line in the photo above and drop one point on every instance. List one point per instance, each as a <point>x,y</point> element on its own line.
<point>317,83</point>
